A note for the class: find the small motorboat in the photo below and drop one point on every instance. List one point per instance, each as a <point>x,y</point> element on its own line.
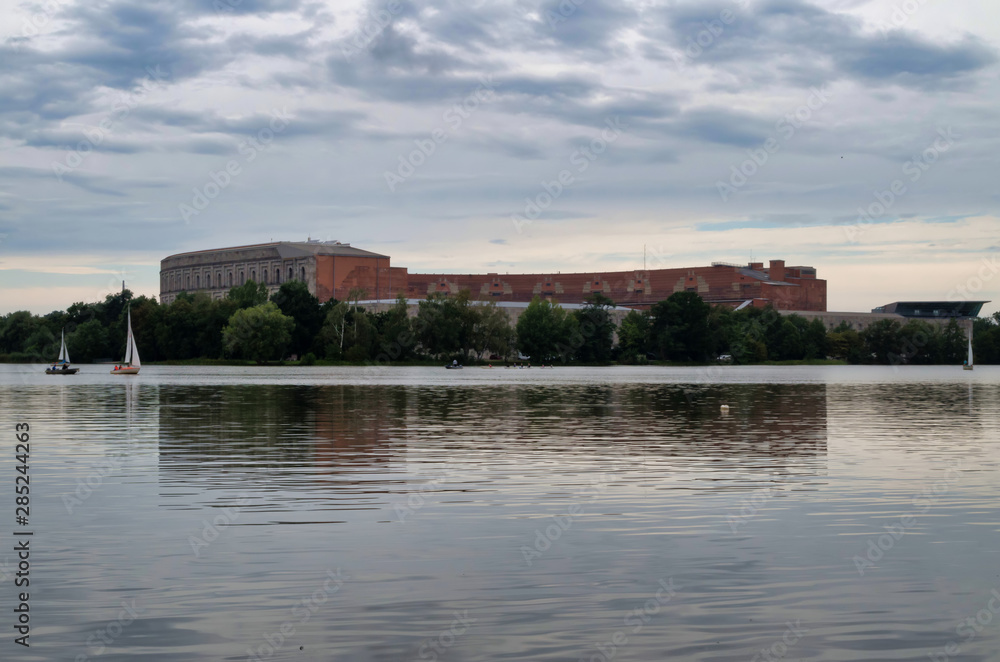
<point>61,366</point>
<point>453,366</point>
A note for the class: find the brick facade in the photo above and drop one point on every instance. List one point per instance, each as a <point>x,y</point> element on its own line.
<point>333,270</point>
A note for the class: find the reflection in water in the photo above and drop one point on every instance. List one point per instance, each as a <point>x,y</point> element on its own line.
<point>233,430</point>
<point>425,497</point>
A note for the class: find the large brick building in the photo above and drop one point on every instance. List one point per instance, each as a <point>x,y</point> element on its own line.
<point>333,270</point>
<point>330,269</point>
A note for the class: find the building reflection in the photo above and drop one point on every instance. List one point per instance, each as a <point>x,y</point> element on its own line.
<point>239,430</point>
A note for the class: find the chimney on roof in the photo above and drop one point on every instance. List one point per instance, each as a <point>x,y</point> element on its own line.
<point>777,271</point>
<point>757,266</point>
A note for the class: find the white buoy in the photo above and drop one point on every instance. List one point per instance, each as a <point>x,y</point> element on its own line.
<point>724,409</point>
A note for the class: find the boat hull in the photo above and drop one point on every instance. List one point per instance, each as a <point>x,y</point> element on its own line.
<point>60,371</point>
<point>125,371</point>
<point>966,367</point>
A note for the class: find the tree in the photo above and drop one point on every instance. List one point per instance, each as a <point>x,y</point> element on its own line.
<point>544,331</point>
<point>816,342</point>
<point>330,340</point>
<point>882,339</point>
<point>986,339</point>
<point>633,337</point>
<point>294,300</point>
<point>680,327</point>
<point>444,325</point>
<point>846,344</point>
<point>261,333</point>
<point>954,344</point>
<point>248,295</point>
<point>395,333</point>
<point>596,329</point>
<point>492,332</point>
<point>788,344</point>
<point>90,341</point>
<point>17,328</point>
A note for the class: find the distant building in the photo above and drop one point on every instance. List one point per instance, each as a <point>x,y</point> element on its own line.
<point>329,269</point>
<point>933,308</point>
<point>333,270</point>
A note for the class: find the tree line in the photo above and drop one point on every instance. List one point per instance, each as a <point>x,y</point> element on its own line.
<point>247,324</point>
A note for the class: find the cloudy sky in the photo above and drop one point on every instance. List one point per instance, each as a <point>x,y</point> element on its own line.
<point>508,135</point>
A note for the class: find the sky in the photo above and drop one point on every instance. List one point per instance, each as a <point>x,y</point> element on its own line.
<point>859,137</point>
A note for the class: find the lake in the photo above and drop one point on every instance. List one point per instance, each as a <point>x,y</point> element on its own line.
<point>212,513</point>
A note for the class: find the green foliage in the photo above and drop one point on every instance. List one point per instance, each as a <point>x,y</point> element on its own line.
<point>846,344</point>
<point>634,337</point>
<point>986,340</point>
<point>492,333</point>
<point>295,301</point>
<point>680,328</point>
<point>544,331</point>
<point>90,341</point>
<point>882,340</point>
<point>596,330</point>
<point>261,333</point>
<point>248,295</point>
<point>396,339</point>
<point>444,325</point>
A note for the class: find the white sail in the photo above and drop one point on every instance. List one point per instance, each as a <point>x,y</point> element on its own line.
<point>970,349</point>
<point>133,348</point>
<point>128,341</point>
<point>63,352</point>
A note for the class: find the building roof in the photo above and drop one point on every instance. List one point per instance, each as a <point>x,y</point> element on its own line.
<point>933,308</point>
<point>290,249</point>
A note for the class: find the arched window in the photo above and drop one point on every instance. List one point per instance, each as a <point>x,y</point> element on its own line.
<point>188,286</point>
<point>242,277</point>
<point>253,274</point>
<point>197,282</point>
<point>230,274</point>
<point>291,273</point>
<point>263,275</point>
<point>218,279</point>
<point>303,274</point>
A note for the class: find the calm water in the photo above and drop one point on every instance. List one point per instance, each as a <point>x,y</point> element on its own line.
<point>566,514</point>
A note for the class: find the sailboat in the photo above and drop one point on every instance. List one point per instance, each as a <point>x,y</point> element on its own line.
<point>131,364</point>
<point>968,362</point>
<point>61,366</point>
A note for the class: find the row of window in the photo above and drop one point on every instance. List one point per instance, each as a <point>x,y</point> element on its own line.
<point>218,282</point>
